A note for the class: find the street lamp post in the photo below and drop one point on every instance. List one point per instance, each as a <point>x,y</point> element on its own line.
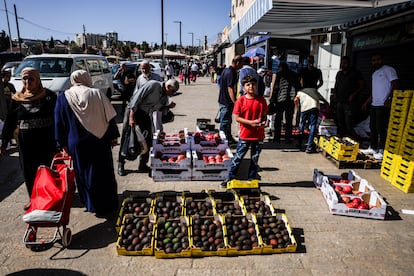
<point>192,41</point>
<point>179,22</point>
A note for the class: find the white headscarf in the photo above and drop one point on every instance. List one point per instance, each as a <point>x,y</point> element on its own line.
<point>92,108</point>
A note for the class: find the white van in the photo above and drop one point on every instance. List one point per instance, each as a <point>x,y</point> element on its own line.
<point>55,71</point>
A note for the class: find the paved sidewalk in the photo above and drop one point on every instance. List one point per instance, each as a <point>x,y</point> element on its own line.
<point>327,244</point>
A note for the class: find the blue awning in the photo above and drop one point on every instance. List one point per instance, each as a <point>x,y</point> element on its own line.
<point>297,18</point>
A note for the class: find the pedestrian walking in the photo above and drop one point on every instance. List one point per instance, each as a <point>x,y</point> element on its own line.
<point>32,113</point>
<point>86,129</point>
<point>169,70</point>
<point>152,96</point>
<point>127,81</point>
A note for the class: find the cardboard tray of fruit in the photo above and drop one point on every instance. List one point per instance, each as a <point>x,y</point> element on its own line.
<point>368,205</point>
<point>208,140</point>
<point>259,205</point>
<point>242,235</point>
<point>136,237</point>
<point>276,234</point>
<point>172,238</point>
<point>161,159</point>
<point>208,236</point>
<point>134,205</point>
<point>319,177</point>
<point>353,187</point>
<point>168,205</point>
<point>218,159</point>
<point>174,142</point>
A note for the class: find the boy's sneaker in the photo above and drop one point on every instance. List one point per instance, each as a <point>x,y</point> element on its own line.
<point>369,150</point>
<point>379,155</point>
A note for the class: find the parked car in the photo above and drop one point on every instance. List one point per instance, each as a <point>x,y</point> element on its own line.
<point>131,67</point>
<point>11,66</point>
<point>155,67</point>
<point>55,71</point>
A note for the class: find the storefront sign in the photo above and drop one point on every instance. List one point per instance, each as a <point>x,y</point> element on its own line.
<point>376,40</point>
<point>256,39</point>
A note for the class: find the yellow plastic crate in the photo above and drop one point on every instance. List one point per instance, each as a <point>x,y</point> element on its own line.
<point>403,177</point>
<point>124,250</point>
<point>161,253</point>
<point>343,144</point>
<point>197,251</point>
<point>269,249</point>
<point>128,207</point>
<point>238,184</point>
<point>406,149</point>
<point>388,165</point>
<point>232,250</point>
<point>392,144</point>
<point>324,143</point>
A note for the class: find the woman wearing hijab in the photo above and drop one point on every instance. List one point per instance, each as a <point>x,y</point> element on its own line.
<point>85,127</point>
<point>32,112</point>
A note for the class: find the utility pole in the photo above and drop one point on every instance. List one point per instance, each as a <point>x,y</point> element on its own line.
<point>18,30</point>
<point>84,37</point>
<point>181,45</point>
<point>8,25</point>
<point>162,33</point>
<point>192,41</point>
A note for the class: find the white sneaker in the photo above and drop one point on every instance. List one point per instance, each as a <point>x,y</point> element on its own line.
<point>379,155</point>
<point>368,151</point>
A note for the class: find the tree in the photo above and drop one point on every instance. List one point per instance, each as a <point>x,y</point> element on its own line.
<point>125,51</point>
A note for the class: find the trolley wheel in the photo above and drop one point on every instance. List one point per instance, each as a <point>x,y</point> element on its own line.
<point>67,237</point>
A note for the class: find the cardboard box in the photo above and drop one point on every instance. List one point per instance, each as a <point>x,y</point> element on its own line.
<point>319,177</point>
<point>171,174</point>
<point>158,157</point>
<point>200,164</point>
<point>373,199</point>
<point>216,175</point>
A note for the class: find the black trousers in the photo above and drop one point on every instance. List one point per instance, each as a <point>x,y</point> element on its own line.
<point>378,124</point>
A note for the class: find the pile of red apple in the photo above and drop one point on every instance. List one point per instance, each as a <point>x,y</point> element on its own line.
<point>355,203</point>
<point>210,138</point>
<point>213,158</point>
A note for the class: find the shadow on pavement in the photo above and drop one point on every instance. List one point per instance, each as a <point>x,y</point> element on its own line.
<point>300,240</point>
<point>302,184</point>
<point>11,176</point>
<point>97,236</point>
<point>46,272</point>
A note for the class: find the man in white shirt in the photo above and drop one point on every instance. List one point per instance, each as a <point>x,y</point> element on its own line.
<point>194,71</point>
<point>384,81</point>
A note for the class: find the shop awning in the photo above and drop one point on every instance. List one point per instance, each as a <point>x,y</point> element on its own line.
<point>297,18</point>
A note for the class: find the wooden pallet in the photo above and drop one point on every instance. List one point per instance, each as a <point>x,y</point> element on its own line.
<point>363,162</point>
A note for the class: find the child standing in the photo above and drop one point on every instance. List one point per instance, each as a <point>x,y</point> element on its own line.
<point>250,111</point>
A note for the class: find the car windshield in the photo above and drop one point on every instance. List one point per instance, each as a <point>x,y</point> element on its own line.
<point>48,67</point>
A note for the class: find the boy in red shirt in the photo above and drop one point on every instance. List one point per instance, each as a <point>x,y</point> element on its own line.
<point>250,112</point>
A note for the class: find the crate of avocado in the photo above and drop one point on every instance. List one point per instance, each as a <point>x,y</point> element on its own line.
<point>198,204</point>
<point>138,205</point>
<point>168,205</point>
<point>172,238</point>
<point>208,236</point>
<point>260,205</point>
<point>136,237</point>
<point>242,235</point>
<point>276,234</point>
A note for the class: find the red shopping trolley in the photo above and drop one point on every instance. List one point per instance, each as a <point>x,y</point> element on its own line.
<point>50,203</point>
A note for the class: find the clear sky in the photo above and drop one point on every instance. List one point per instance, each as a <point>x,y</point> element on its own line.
<point>133,20</point>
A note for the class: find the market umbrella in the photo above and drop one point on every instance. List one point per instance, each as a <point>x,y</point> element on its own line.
<point>257,52</point>
<point>167,54</point>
